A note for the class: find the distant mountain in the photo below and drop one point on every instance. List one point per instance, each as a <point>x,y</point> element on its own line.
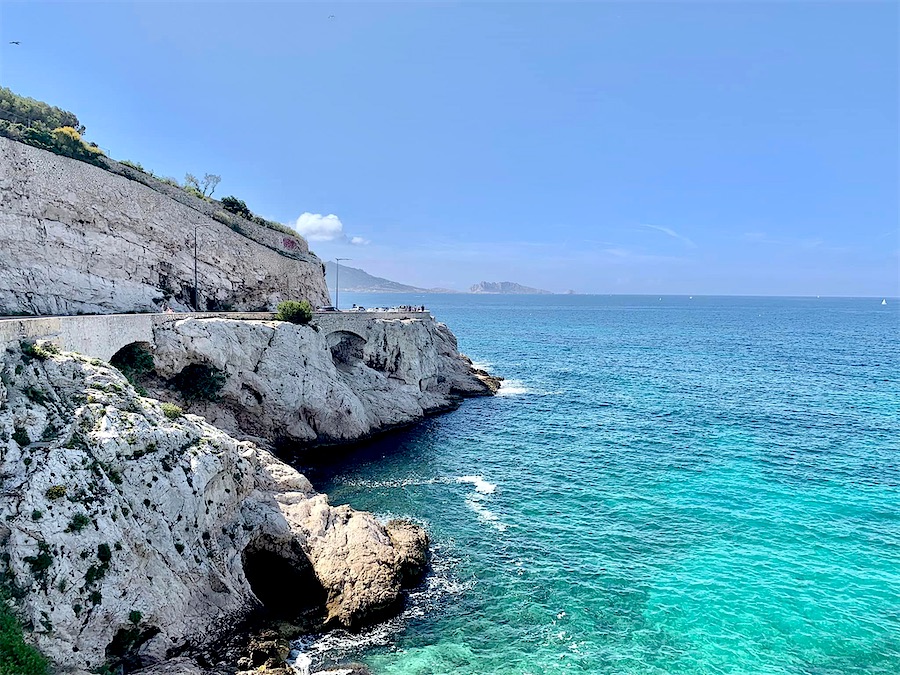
<point>506,288</point>
<point>355,280</point>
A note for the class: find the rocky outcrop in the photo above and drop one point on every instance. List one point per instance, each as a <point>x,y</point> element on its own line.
<point>131,531</point>
<point>306,384</point>
<point>76,239</point>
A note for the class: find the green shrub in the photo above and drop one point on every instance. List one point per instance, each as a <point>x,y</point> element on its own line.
<point>135,616</point>
<point>56,492</point>
<point>30,111</point>
<point>20,436</point>
<point>294,312</point>
<point>172,411</point>
<point>95,573</point>
<point>236,206</point>
<point>35,395</point>
<point>78,523</point>
<point>134,165</point>
<point>16,656</point>
<point>41,352</point>
<point>40,563</point>
<point>193,192</point>
<point>67,141</point>
<point>199,381</point>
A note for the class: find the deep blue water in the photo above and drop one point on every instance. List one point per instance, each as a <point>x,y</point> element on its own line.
<point>665,485</point>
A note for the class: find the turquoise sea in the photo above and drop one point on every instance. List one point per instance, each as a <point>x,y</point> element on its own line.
<point>665,485</point>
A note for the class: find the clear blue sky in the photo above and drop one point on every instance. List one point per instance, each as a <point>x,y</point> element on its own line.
<point>674,147</point>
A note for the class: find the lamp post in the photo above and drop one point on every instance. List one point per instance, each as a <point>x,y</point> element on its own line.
<point>196,308</point>
<point>337,282</point>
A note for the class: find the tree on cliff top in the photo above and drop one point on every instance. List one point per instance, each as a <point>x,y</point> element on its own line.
<point>206,186</point>
<point>31,113</point>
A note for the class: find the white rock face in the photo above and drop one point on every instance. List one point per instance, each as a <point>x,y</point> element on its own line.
<point>127,529</point>
<point>77,239</point>
<point>303,384</point>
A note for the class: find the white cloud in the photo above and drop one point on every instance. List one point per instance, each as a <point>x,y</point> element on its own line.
<point>316,227</point>
<point>671,233</point>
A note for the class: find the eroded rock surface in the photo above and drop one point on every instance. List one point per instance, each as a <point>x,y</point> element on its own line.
<point>76,239</point>
<point>309,385</point>
<point>131,531</point>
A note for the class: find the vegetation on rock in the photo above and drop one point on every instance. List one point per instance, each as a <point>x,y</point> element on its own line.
<point>200,382</point>
<point>294,312</point>
<point>237,206</point>
<point>16,656</point>
<point>171,411</point>
<point>78,523</point>
<point>41,352</point>
<point>56,492</point>
<point>50,128</point>
<point>20,436</point>
<point>44,126</point>
<point>204,187</point>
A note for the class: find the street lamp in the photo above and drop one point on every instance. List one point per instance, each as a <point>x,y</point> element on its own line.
<point>196,309</point>
<point>337,282</point>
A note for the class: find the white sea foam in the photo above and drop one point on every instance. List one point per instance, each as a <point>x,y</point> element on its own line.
<point>488,516</point>
<point>481,485</point>
<point>481,365</point>
<point>512,388</point>
<point>518,387</point>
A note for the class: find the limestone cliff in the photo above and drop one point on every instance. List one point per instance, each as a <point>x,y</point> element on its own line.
<point>320,384</point>
<point>75,238</point>
<point>131,531</point>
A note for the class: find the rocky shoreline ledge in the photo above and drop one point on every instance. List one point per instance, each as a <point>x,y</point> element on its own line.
<point>138,535</point>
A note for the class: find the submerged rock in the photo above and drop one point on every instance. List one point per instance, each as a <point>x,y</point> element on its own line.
<point>133,532</point>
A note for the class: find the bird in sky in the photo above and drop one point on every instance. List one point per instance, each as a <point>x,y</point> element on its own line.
<point>331,16</point>
<point>14,42</point>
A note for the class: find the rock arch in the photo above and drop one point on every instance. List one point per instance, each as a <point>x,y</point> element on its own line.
<point>134,360</point>
<point>346,347</point>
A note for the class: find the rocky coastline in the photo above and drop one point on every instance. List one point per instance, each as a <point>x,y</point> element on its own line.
<point>297,385</point>
<point>146,521</point>
<point>134,532</point>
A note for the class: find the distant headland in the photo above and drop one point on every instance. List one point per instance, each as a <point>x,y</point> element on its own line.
<point>506,288</point>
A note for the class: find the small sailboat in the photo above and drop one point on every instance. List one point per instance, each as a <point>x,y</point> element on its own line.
<point>884,301</point>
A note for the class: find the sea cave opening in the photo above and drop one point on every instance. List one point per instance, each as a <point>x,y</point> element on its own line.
<point>285,585</point>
